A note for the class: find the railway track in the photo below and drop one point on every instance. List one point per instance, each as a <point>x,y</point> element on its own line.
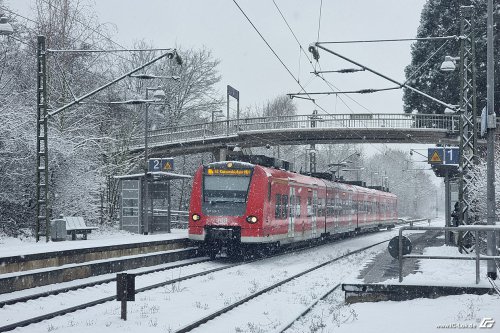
<point>274,286</point>
<point>109,281</point>
<point>85,305</point>
<point>53,292</point>
<point>82,306</point>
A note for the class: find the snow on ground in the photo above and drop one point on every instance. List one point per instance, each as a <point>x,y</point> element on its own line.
<point>13,246</point>
<point>169,308</point>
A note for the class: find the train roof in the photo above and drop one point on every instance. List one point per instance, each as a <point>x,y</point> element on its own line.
<point>303,179</point>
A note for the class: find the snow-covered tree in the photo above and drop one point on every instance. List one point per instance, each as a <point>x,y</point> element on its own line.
<point>409,181</point>
<point>477,191</point>
<point>442,18</point>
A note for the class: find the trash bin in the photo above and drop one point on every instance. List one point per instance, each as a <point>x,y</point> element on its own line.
<point>58,230</point>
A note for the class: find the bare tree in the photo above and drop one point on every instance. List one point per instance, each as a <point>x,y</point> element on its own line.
<point>279,106</point>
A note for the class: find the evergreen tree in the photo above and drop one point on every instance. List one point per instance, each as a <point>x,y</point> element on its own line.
<point>442,18</point>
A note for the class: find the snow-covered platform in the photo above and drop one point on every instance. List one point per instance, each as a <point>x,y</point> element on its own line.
<point>29,264</point>
<point>402,292</point>
<point>422,278</point>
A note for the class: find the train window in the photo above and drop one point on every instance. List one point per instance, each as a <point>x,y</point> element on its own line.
<point>277,211</point>
<point>297,206</point>
<point>284,206</point>
<point>225,188</point>
<point>315,205</point>
<point>331,207</point>
<point>309,206</point>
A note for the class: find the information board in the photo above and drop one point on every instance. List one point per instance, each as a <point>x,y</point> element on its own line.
<point>443,155</point>
<point>161,164</point>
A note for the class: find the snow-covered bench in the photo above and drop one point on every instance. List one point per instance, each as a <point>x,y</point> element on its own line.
<point>76,225</point>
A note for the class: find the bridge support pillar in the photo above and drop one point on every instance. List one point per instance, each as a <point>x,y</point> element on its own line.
<point>220,154</point>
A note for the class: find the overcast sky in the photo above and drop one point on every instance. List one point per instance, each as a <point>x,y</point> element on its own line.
<point>248,65</point>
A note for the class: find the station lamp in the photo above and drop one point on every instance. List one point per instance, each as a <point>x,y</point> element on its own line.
<point>449,64</point>
<point>5,27</point>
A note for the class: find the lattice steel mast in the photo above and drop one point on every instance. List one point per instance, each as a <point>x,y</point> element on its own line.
<point>42,159</point>
<point>468,107</point>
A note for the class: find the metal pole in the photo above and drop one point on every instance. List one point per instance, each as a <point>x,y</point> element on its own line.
<point>146,166</point>
<point>227,120</point>
<point>468,133</point>
<point>447,207</point>
<point>238,114</point>
<point>212,122</point>
<point>477,256</point>
<point>312,158</point>
<point>400,256</point>
<point>490,99</point>
<point>169,211</point>
<point>42,157</point>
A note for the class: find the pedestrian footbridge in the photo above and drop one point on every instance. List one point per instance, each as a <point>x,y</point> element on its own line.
<point>301,130</point>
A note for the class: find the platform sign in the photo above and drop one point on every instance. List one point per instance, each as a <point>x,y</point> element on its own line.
<point>393,246</point>
<point>161,164</point>
<point>435,155</point>
<point>167,164</point>
<point>442,155</point>
<point>452,156</point>
<point>233,92</point>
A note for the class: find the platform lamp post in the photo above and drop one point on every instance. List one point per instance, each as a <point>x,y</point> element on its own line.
<point>314,118</point>
<point>43,115</point>
<point>467,111</point>
<point>468,121</point>
<point>160,94</point>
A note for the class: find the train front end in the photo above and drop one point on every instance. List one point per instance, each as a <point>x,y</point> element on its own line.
<point>225,207</point>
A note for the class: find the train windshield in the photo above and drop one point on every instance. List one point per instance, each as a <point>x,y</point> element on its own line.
<point>231,189</point>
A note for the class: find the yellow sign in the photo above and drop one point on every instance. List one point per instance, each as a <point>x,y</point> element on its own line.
<point>230,172</point>
<point>167,166</point>
<point>435,158</point>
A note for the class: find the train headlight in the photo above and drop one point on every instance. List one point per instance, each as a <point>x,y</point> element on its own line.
<point>252,219</point>
<point>195,217</point>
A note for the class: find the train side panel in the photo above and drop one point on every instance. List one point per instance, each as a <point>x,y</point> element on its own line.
<point>279,206</point>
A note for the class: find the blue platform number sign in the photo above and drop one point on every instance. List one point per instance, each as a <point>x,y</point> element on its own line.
<point>451,156</point>
<point>440,155</point>
<point>161,164</point>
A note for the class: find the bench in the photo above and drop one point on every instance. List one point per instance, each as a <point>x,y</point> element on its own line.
<point>76,225</point>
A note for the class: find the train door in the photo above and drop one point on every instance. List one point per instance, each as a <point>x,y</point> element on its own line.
<point>314,213</point>
<point>336,205</point>
<point>291,215</point>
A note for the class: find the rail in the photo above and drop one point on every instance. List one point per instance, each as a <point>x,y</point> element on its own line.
<point>476,229</point>
<point>185,133</point>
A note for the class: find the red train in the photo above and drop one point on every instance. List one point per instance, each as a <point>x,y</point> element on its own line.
<point>238,205</point>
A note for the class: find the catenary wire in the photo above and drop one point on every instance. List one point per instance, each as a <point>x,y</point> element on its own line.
<point>390,40</point>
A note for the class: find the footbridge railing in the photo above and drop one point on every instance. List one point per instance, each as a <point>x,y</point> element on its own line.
<point>200,131</point>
